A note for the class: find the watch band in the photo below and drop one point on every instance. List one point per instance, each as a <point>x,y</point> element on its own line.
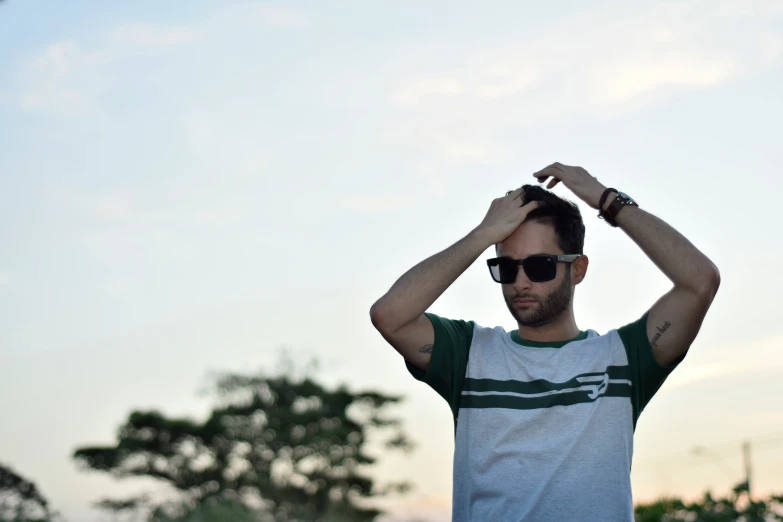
<point>621,200</point>
<point>603,200</point>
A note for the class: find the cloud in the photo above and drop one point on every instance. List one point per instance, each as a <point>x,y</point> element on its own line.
<point>119,286</point>
<point>66,77</point>
<point>96,206</point>
<point>109,208</point>
<point>53,98</point>
<point>419,89</point>
<point>466,148</point>
<point>619,83</point>
<point>49,77</point>
<point>59,59</point>
<point>748,8</point>
<point>371,204</point>
<point>150,36</point>
<point>506,82</point>
<point>754,357</point>
<point>770,47</point>
<point>283,16</point>
<point>599,62</point>
<point>225,141</point>
<point>613,64</point>
<point>432,186</point>
<point>496,81</point>
<point>4,279</point>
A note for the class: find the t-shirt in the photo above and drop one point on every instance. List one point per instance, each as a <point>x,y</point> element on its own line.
<point>543,431</point>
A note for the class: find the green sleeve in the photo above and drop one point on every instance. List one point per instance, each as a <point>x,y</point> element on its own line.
<point>449,361</point>
<point>647,375</point>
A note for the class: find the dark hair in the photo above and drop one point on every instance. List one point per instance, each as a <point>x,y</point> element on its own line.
<point>562,214</point>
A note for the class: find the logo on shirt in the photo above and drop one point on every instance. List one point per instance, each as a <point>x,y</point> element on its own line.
<point>541,393</point>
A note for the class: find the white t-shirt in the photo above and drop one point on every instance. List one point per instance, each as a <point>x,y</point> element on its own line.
<point>543,431</point>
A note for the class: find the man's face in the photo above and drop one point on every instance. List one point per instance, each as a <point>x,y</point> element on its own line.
<point>550,299</point>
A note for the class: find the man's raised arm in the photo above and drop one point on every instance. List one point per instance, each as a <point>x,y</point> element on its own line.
<point>675,319</point>
<point>399,314</point>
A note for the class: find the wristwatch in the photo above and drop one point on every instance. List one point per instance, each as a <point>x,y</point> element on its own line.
<point>620,200</point>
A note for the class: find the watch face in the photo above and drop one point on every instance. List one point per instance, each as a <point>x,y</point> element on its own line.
<point>625,196</point>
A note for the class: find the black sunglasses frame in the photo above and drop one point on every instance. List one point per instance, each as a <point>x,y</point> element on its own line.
<point>553,258</point>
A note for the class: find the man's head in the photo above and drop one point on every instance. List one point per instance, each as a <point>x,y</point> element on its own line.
<point>555,227</point>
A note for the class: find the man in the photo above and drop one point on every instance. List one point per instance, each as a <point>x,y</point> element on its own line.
<point>545,414</point>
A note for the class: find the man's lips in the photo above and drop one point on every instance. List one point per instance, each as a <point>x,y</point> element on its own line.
<point>524,301</point>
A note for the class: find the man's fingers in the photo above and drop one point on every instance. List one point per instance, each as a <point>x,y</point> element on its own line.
<point>557,166</point>
<point>514,194</point>
<point>543,174</point>
<point>555,170</point>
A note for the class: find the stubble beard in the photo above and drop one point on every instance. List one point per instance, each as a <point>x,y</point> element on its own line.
<point>547,311</point>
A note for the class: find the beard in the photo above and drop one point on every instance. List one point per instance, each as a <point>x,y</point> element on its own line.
<point>547,310</point>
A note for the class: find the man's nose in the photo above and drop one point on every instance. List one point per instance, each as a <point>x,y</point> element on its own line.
<point>522,282</point>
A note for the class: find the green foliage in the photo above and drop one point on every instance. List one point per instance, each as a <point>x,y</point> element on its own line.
<point>733,508</point>
<point>224,510</point>
<point>274,447</point>
<point>20,500</point>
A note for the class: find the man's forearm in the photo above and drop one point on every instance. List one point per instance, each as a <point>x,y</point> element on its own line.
<point>671,252</point>
<point>419,287</point>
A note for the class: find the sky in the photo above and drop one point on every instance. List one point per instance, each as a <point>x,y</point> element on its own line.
<point>195,187</point>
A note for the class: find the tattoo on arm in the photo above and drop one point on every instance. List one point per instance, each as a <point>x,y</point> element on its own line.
<point>427,348</point>
<point>661,330</point>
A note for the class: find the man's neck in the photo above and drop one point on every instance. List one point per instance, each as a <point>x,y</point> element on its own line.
<point>562,330</point>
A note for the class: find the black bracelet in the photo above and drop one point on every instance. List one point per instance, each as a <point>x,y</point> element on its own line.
<point>603,200</point>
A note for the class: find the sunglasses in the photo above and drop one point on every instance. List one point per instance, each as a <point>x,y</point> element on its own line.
<point>538,268</point>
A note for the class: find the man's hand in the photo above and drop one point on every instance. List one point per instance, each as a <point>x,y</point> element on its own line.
<point>577,179</point>
<point>504,217</point>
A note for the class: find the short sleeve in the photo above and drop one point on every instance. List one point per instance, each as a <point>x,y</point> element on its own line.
<point>647,375</point>
<point>449,361</point>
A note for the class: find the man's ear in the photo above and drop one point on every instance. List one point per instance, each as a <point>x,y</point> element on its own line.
<point>579,269</point>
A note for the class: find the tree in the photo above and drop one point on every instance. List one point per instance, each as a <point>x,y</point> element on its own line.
<point>732,508</point>
<point>130,505</point>
<point>20,500</point>
<point>285,448</point>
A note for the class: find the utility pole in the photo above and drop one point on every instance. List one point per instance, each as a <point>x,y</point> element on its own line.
<point>746,458</point>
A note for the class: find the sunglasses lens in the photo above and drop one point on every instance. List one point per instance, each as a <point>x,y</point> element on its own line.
<point>539,269</point>
<point>504,271</point>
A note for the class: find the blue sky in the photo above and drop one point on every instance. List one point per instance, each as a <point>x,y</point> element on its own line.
<point>190,187</point>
